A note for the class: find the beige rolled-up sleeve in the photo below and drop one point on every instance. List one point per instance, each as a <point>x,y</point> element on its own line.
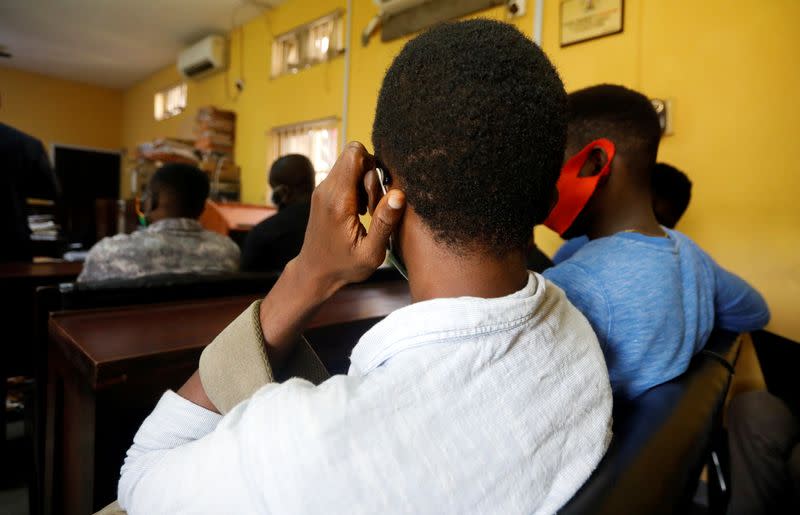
<point>235,365</point>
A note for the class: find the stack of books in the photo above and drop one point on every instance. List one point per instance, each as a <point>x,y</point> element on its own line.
<point>43,228</point>
<point>169,150</point>
<point>215,131</point>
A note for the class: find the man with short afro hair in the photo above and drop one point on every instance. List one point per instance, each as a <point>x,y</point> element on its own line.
<point>651,294</point>
<point>273,242</point>
<point>475,141</point>
<point>173,242</point>
<point>487,394</point>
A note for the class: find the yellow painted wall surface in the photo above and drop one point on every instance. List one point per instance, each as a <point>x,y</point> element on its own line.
<point>60,111</point>
<point>313,93</point>
<point>265,103</point>
<point>369,64</point>
<point>728,66</point>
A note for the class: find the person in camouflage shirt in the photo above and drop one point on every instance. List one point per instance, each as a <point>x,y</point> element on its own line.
<point>174,241</point>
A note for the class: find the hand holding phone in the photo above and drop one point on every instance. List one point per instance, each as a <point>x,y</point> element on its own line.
<point>337,248</point>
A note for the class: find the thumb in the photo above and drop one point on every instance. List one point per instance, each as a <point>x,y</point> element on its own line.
<point>387,215</point>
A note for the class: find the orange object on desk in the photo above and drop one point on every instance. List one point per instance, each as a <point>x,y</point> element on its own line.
<point>226,217</point>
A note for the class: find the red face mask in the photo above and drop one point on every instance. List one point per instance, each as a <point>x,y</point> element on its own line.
<point>574,192</point>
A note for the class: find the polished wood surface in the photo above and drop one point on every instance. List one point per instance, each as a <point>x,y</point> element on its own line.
<point>224,217</point>
<point>18,283</point>
<point>104,344</point>
<point>40,271</point>
<point>108,367</point>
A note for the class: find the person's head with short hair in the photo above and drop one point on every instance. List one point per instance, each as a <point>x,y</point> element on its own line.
<point>291,178</point>
<point>470,124</point>
<point>176,191</point>
<point>628,119</point>
<point>672,191</point>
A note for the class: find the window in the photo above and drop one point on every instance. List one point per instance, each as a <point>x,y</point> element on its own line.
<point>169,102</point>
<point>318,140</point>
<point>309,44</point>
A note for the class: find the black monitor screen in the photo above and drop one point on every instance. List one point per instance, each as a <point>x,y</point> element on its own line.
<point>86,177</point>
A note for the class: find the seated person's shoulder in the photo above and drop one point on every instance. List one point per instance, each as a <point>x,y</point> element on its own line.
<point>569,248</point>
<point>221,240</point>
<point>684,241</point>
<point>112,257</point>
<point>303,406</point>
<point>586,257</point>
<point>118,244</point>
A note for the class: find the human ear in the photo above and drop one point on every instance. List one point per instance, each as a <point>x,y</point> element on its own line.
<point>594,164</point>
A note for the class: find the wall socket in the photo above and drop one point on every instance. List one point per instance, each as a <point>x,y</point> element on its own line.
<point>663,107</point>
<point>516,8</point>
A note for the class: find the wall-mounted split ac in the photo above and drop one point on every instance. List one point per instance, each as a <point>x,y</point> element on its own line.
<point>397,18</point>
<point>206,57</point>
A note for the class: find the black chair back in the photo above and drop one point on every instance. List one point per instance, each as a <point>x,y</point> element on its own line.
<point>662,439</point>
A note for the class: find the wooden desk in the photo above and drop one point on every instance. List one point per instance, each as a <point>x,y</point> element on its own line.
<point>109,367</point>
<point>230,216</point>
<point>40,272</point>
<point>18,283</point>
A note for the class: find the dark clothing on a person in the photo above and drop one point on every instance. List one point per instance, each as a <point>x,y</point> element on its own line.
<point>764,441</point>
<point>277,240</point>
<point>25,171</point>
<point>537,260</point>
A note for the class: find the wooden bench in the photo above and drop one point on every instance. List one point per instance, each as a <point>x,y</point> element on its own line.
<point>108,367</point>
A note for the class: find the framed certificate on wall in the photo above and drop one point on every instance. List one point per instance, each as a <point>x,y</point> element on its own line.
<point>582,20</point>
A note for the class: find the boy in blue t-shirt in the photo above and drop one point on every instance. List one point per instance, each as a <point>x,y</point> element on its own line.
<point>671,190</point>
<point>650,293</point>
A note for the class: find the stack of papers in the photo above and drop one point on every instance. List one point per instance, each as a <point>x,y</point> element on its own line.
<point>43,227</point>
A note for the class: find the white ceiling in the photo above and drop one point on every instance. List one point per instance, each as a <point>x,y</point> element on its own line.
<point>113,43</point>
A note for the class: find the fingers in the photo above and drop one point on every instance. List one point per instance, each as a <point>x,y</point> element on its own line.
<point>373,190</point>
<point>385,219</point>
<point>352,164</point>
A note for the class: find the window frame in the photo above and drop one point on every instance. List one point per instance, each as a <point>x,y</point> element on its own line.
<point>303,40</point>
<point>284,131</point>
<point>164,94</point>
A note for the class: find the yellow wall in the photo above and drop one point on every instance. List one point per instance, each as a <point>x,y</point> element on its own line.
<point>265,103</point>
<point>60,111</point>
<point>728,66</point>
<point>370,63</point>
<point>312,93</point>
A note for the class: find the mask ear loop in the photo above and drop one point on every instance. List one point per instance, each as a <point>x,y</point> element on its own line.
<point>137,203</point>
<point>571,203</point>
<point>384,180</point>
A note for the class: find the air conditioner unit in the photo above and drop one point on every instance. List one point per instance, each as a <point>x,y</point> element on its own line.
<point>392,7</point>
<point>398,18</point>
<point>204,58</point>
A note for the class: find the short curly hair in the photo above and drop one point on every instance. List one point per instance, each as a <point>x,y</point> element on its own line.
<point>188,184</point>
<point>471,119</point>
<point>622,115</point>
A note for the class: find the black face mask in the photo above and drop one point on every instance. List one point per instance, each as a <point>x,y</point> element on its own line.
<point>280,195</point>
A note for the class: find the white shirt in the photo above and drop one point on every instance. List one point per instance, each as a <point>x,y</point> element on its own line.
<point>461,405</point>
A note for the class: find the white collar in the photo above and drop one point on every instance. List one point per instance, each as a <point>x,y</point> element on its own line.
<point>436,320</point>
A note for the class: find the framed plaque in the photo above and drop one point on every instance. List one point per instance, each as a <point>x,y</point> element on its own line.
<point>582,20</point>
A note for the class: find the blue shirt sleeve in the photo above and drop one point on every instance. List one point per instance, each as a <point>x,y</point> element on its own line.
<point>738,306</point>
<point>569,248</point>
<point>584,292</point>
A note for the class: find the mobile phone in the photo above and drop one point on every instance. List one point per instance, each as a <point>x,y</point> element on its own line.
<point>391,256</point>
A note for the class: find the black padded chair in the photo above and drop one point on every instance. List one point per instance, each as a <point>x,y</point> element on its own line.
<point>661,441</point>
